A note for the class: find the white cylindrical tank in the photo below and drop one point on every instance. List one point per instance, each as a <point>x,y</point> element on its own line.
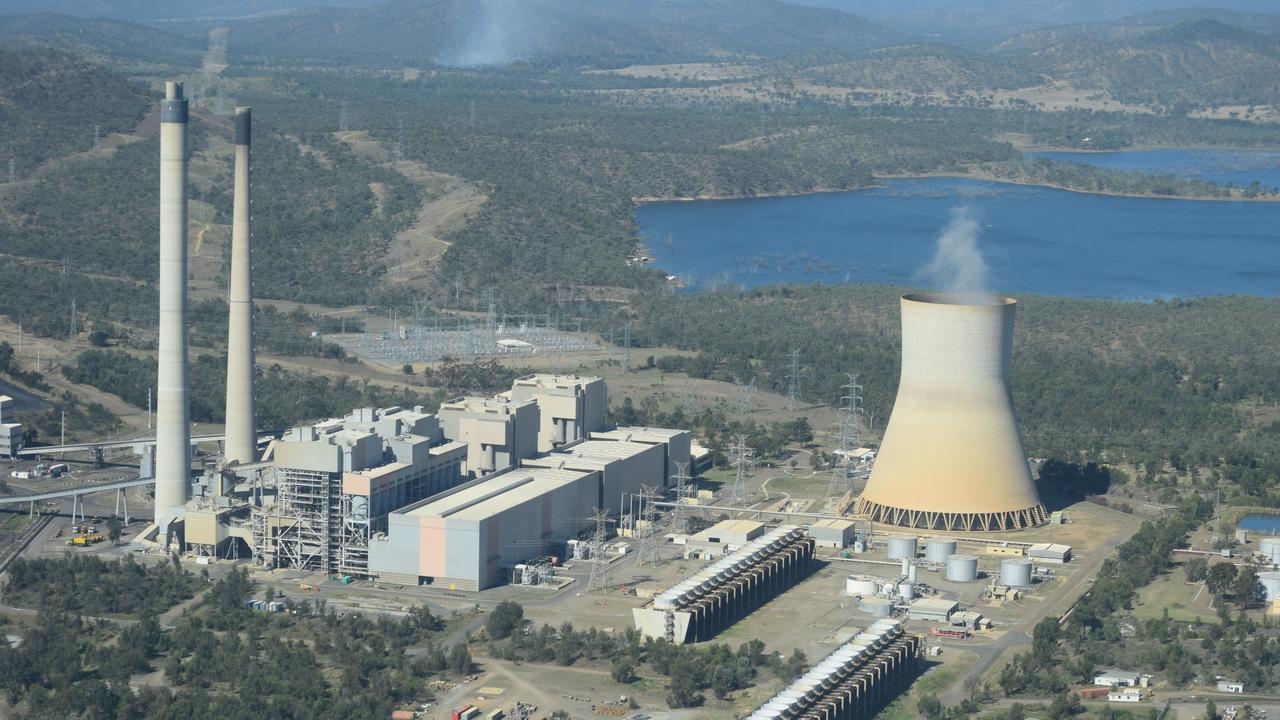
<point>875,607</point>
<point>937,550</point>
<point>951,457</point>
<point>1015,572</point>
<point>911,573</point>
<point>1270,546</point>
<point>1270,585</point>
<point>855,585</point>
<point>962,568</point>
<point>902,547</point>
<point>907,591</point>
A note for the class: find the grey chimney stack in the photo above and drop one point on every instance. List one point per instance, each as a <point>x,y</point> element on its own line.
<point>240,445</point>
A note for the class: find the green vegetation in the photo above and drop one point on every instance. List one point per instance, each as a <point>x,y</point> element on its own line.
<point>223,660</point>
<point>50,102</point>
<point>285,398</point>
<point>88,585</point>
<point>691,670</point>
<point>137,47</point>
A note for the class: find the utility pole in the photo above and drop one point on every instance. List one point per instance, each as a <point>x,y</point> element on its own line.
<point>62,455</point>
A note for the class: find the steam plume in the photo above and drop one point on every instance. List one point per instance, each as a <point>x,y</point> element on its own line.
<point>491,34</point>
<point>958,266</point>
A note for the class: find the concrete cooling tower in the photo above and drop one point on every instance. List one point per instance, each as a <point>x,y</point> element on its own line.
<point>951,458</point>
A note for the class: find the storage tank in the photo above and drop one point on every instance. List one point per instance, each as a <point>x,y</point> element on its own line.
<point>911,573</point>
<point>855,585</point>
<point>1015,572</point>
<point>1270,585</point>
<point>1270,546</point>
<point>907,591</point>
<point>900,548</point>
<point>875,607</point>
<point>962,568</point>
<point>937,550</point>
<point>951,458</point>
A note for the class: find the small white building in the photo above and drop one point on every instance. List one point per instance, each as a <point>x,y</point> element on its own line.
<point>1116,678</point>
<point>1124,696</point>
<point>1055,553</point>
<point>1229,686</point>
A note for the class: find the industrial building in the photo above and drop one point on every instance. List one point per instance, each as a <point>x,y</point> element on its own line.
<point>624,468</point>
<point>932,609</point>
<point>833,533</point>
<point>498,432</point>
<point>472,537</point>
<point>725,536</point>
<point>571,406</point>
<point>10,432</point>
<point>337,480</point>
<point>1116,678</point>
<point>730,588</point>
<point>951,458</point>
<point>1055,553</point>
<point>854,681</point>
<point>677,446</point>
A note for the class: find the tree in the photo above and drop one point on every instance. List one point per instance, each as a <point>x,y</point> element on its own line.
<point>928,706</point>
<point>1196,569</point>
<point>407,369</point>
<point>1044,640</point>
<point>1247,588</point>
<point>505,619</point>
<point>98,338</point>
<point>115,528</point>
<point>1220,577</point>
<point>1210,711</point>
<point>460,660</point>
<point>624,671</point>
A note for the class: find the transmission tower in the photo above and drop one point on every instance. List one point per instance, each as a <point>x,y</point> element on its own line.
<point>13,171</point>
<point>680,513</point>
<point>72,334</point>
<point>626,342</point>
<point>400,143</point>
<point>599,565</point>
<point>794,373</point>
<point>343,120</point>
<point>847,436</point>
<point>97,137</point>
<point>647,529</point>
<point>743,458</point>
<point>745,395</point>
<point>690,400</point>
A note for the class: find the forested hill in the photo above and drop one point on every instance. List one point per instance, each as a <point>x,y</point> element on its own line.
<point>1192,63</point>
<point>465,32</point>
<point>51,101</point>
<point>104,40</point>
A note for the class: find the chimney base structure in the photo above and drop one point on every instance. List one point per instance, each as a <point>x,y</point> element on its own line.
<point>952,458</point>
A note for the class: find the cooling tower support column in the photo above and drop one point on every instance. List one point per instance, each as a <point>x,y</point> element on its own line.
<point>952,458</point>
<point>241,432</point>
<point>173,433</point>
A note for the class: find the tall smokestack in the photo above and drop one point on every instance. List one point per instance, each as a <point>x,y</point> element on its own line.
<point>951,458</point>
<point>173,432</point>
<point>241,434</point>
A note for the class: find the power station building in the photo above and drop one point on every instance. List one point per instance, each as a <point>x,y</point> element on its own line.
<point>336,481</point>
<point>677,446</point>
<point>498,432</point>
<point>471,538</point>
<point>951,458</point>
<point>570,406</point>
<point>624,468</point>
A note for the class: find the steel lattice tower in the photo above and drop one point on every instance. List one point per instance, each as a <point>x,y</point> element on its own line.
<point>647,552</point>
<point>743,459</point>
<point>680,513</point>
<point>794,373</point>
<point>599,565</point>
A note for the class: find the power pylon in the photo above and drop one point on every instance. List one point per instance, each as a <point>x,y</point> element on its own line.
<point>680,513</point>
<point>745,395</point>
<point>743,458</point>
<point>647,529</point>
<point>848,438</point>
<point>794,375</point>
<point>600,570</point>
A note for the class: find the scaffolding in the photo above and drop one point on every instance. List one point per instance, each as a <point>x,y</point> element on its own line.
<point>299,530</point>
<point>353,543</point>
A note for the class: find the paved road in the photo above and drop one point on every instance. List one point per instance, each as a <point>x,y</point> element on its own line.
<point>1019,634</point>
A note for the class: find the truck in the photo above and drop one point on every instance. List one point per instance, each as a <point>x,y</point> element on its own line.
<point>85,540</point>
<point>58,470</point>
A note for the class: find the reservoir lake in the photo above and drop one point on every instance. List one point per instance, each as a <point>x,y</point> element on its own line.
<point>1035,239</point>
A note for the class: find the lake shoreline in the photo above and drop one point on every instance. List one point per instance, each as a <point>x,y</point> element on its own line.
<point>989,177</point>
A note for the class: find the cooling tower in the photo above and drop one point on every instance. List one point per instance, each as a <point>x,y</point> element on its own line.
<point>173,433</point>
<point>951,458</point>
<point>240,445</point>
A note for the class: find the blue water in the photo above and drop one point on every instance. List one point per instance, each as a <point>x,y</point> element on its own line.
<point>1034,239</point>
<point>1240,167</point>
<point>1266,524</point>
